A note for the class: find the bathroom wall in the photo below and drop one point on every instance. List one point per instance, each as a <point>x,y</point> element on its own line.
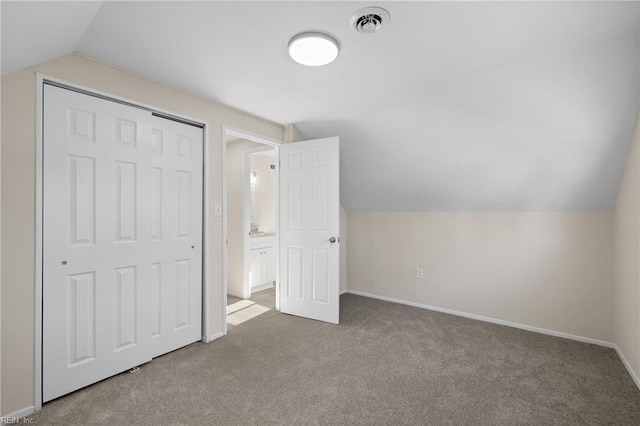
<point>265,198</point>
<point>235,214</point>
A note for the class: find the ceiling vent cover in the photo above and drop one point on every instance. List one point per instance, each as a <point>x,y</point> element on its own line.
<point>369,20</point>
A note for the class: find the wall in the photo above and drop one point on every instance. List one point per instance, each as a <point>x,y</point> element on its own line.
<point>546,270</point>
<point>265,208</point>
<point>18,188</point>
<point>343,249</point>
<point>235,214</point>
<point>627,259</point>
<point>291,134</point>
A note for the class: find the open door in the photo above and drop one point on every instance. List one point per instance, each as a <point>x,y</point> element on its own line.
<point>310,229</point>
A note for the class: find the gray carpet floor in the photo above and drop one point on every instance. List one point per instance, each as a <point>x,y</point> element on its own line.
<point>384,364</point>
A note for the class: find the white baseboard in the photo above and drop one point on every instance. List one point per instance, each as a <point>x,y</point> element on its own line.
<point>488,319</point>
<point>632,373</point>
<point>343,292</point>
<point>6,419</point>
<point>261,287</point>
<point>214,336</point>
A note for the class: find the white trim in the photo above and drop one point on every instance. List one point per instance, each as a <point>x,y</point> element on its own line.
<point>632,373</point>
<point>110,96</point>
<point>246,223</point>
<point>215,336</point>
<point>261,287</point>
<point>345,292</point>
<point>245,134</point>
<point>230,133</point>
<point>40,80</point>
<point>488,319</point>
<point>37,376</point>
<point>206,244</point>
<point>17,415</point>
<point>225,235</point>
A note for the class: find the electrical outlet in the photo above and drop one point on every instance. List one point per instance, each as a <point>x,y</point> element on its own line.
<point>419,273</point>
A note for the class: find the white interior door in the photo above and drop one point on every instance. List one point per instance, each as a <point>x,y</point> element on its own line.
<point>122,238</point>
<point>97,247</point>
<point>176,234</point>
<point>310,229</point>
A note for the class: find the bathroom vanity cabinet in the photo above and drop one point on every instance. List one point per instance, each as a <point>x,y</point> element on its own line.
<point>262,271</point>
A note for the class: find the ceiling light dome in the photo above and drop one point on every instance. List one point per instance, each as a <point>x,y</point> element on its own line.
<point>314,48</point>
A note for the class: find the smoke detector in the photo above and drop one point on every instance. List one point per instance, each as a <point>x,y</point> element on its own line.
<point>369,20</point>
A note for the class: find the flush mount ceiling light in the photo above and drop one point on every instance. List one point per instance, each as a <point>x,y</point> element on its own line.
<point>313,48</point>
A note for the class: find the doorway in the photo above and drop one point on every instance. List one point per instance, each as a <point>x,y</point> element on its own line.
<point>251,216</point>
<point>307,227</point>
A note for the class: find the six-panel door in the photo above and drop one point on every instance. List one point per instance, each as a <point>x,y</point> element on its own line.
<point>309,222</point>
<point>176,235</point>
<point>99,260</point>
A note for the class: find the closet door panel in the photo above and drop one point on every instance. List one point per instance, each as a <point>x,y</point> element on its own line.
<point>96,245</point>
<point>122,238</point>
<point>177,163</point>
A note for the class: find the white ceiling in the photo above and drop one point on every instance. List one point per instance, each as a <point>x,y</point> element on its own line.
<point>451,107</point>
<point>35,32</point>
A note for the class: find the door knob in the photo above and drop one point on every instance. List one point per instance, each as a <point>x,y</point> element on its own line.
<point>332,240</point>
<point>63,263</point>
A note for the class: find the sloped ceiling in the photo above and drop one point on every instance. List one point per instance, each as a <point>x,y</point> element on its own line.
<point>451,107</point>
<point>35,32</point>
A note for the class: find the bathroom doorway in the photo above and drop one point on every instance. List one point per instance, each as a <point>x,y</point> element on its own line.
<point>305,243</point>
<point>251,201</point>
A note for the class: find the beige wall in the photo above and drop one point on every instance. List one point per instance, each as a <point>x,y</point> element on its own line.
<point>627,259</point>
<point>18,186</point>
<point>265,208</point>
<point>547,270</point>
<point>291,134</point>
<point>235,214</point>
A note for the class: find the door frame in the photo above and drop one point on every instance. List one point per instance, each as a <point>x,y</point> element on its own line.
<point>246,199</point>
<point>230,133</point>
<point>41,80</point>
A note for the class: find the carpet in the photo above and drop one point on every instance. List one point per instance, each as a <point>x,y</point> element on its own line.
<point>384,364</point>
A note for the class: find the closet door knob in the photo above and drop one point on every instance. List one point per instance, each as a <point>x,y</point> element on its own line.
<point>332,240</point>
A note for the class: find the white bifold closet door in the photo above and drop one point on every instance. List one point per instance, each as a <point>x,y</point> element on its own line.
<point>122,238</point>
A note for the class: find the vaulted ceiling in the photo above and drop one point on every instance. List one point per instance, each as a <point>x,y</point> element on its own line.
<point>523,106</point>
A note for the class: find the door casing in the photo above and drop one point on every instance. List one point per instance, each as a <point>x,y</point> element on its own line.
<point>229,134</point>
<point>41,79</point>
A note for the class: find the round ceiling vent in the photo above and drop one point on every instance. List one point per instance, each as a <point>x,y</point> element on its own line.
<point>369,20</point>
